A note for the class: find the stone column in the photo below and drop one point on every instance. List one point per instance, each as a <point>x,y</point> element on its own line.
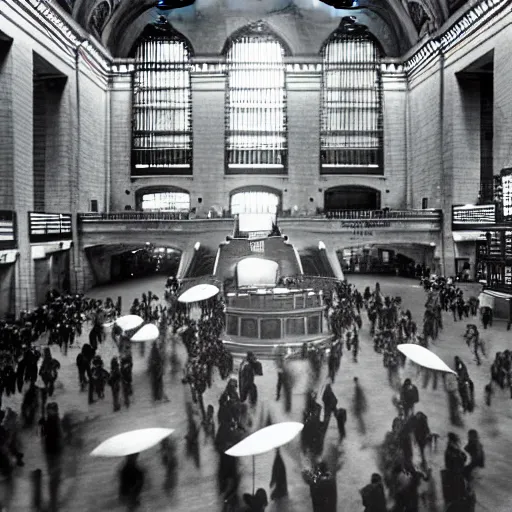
<point>303,113</point>
<point>21,149</point>
<point>208,121</point>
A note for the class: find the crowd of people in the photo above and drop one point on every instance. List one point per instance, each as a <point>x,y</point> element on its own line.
<point>29,367</point>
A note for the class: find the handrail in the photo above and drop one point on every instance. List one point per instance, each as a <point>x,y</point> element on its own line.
<point>382,214</point>
<point>133,216</point>
<point>330,215</point>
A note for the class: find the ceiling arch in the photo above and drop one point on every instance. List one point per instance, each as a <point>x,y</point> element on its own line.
<point>397,24</point>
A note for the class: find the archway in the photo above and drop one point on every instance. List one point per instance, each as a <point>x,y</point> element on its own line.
<point>351,197</point>
<point>255,200</point>
<point>163,199</point>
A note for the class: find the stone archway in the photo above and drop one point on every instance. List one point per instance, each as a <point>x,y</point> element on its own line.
<point>351,197</point>
<point>255,199</point>
<point>162,198</point>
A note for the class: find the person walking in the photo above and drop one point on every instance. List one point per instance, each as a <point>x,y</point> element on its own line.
<point>114,382</point>
<point>278,478</point>
<point>131,481</point>
<point>359,405</point>
<point>409,396</point>
<point>53,444</point>
<point>126,378</point>
<point>330,403</point>
<point>373,496</point>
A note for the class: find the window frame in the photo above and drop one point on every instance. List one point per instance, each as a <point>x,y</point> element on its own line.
<point>256,31</point>
<point>163,32</point>
<point>351,32</point>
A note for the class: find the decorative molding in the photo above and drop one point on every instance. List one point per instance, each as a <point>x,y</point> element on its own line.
<point>103,63</point>
<point>475,18</point>
<point>392,68</point>
<point>304,68</point>
<point>209,68</point>
<point>73,38</point>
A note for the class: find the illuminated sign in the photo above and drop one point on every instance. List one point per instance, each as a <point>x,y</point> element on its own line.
<point>464,216</point>
<point>506,183</point>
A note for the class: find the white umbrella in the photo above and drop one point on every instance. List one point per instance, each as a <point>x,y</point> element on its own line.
<point>265,440</point>
<point>148,332</point>
<point>198,293</point>
<point>131,442</point>
<point>424,357</point>
<point>128,322</point>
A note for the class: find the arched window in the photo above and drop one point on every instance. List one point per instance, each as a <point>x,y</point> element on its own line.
<point>351,123</point>
<point>162,103</point>
<point>165,201</point>
<point>351,197</point>
<point>255,201</point>
<point>256,103</point>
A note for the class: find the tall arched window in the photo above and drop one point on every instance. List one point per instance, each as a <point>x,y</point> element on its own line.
<point>351,123</point>
<point>256,103</point>
<point>162,103</point>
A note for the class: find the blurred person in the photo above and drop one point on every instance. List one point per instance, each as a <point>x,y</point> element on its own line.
<point>476,452</point>
<point>359,405</point>
<point>409,396</point>
<point>278,478</point>
<point>373,496</point>
<point>53,445</point>
<point>114,382</point>
<point>131,481</point>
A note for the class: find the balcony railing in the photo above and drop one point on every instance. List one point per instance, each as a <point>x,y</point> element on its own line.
<point>131,216</point>
<point>382,214</point>
<point>49,227</point>
<point>7,229</point>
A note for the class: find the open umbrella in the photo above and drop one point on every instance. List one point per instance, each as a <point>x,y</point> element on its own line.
<point>424,357</point>
<point>265,440</point>
<point>131,442</point>
<point>148,332</point>
<point>128,322</point>
<point>198,293</point>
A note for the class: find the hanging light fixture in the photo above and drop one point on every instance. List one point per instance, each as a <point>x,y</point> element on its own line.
<point>342,4</point>
<point>166,5</point>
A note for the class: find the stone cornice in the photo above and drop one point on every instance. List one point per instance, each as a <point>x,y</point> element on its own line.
<point>52,18</point>
<point>64,30</point>
<point>471,21</point>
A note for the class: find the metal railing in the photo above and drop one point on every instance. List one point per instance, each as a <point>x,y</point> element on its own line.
<point>133,216</point>
<point>382,214</point>
<point>227,214</point>
<point>49,227</point>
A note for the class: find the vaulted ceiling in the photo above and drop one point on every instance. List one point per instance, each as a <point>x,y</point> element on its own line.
<point>397,24</point>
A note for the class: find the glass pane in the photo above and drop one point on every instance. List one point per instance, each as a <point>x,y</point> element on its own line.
<point>232,325</point>
<point>162,110</point>
<point>270,329</point>
<point>256,101</point>
<point>351,101</point>
<point>314,324</point>
<point>166,201</point>
<point>254,202</point>
<point>295,327</point>
<point>249,328</point>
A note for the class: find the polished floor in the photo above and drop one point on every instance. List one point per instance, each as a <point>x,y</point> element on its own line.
<point>90,484</point>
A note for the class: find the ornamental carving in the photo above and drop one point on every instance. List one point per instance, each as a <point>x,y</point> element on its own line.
<point>418,15</point>
<point>67,5</point>
<point>99,17</point>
